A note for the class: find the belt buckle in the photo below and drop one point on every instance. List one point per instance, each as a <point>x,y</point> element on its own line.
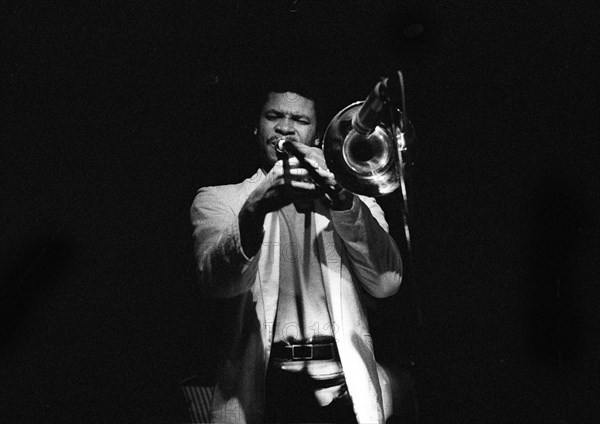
<point>302,356</point>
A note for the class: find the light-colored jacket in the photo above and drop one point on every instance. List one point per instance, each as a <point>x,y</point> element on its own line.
<point>354,249</point>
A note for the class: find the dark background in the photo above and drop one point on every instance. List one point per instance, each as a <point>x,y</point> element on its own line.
<point>114,114</point>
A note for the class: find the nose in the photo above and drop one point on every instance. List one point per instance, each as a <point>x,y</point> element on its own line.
<point>285,126</point>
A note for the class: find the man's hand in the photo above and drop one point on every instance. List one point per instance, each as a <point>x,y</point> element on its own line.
<point>340,199</point>
<point>286,182</point>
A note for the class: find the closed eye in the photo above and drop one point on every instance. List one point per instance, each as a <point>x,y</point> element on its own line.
<point>273,116</point>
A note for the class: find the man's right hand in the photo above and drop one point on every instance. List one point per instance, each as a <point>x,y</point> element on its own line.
<point>285,183</point>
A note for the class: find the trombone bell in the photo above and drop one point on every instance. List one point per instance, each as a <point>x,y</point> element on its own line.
<point>367,164</point>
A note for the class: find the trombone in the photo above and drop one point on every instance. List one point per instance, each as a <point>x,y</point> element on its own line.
<point>365,142</point>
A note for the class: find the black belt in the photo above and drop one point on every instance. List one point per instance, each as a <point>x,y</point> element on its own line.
<point>304,352</point>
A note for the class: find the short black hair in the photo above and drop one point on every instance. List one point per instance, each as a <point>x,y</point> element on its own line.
<point>298,80</point>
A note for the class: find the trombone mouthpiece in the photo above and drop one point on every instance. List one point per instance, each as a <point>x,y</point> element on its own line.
<point>279,146</point>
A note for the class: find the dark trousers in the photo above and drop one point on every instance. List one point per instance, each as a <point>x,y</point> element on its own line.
<point>290,399</point>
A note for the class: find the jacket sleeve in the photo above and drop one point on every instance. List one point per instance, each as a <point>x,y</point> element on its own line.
<point>372,252</point>
<point>223,268</point>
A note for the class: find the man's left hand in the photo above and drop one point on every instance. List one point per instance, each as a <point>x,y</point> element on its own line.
<point>340,198</point>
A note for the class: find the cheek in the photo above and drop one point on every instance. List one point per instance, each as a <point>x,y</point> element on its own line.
<point>264,126</point>
<point>263,134</point>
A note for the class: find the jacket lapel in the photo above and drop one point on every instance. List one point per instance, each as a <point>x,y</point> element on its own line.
<point>267,281</point>
<point>331,264</point>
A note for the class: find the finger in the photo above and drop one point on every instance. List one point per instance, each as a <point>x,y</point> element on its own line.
<point>311,162</point>
<point>307,151</point>
<point>319,174</point>
<point>285,175</point>
<point>317,161</point>
<point>284,166</point>
<point>303,185</point>
<point>321,169</point>
<point>313,154</point>
<point>290,172</point>
<point>301,147</point>
<point>325,174</point>
<point>298,172</point>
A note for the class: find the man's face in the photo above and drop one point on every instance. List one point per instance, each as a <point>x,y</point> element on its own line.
<point>285,115</point>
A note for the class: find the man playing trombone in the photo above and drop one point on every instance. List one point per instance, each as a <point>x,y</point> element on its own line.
<point>296,254</point>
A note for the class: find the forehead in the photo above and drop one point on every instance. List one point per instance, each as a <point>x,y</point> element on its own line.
<point>290,103</point>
